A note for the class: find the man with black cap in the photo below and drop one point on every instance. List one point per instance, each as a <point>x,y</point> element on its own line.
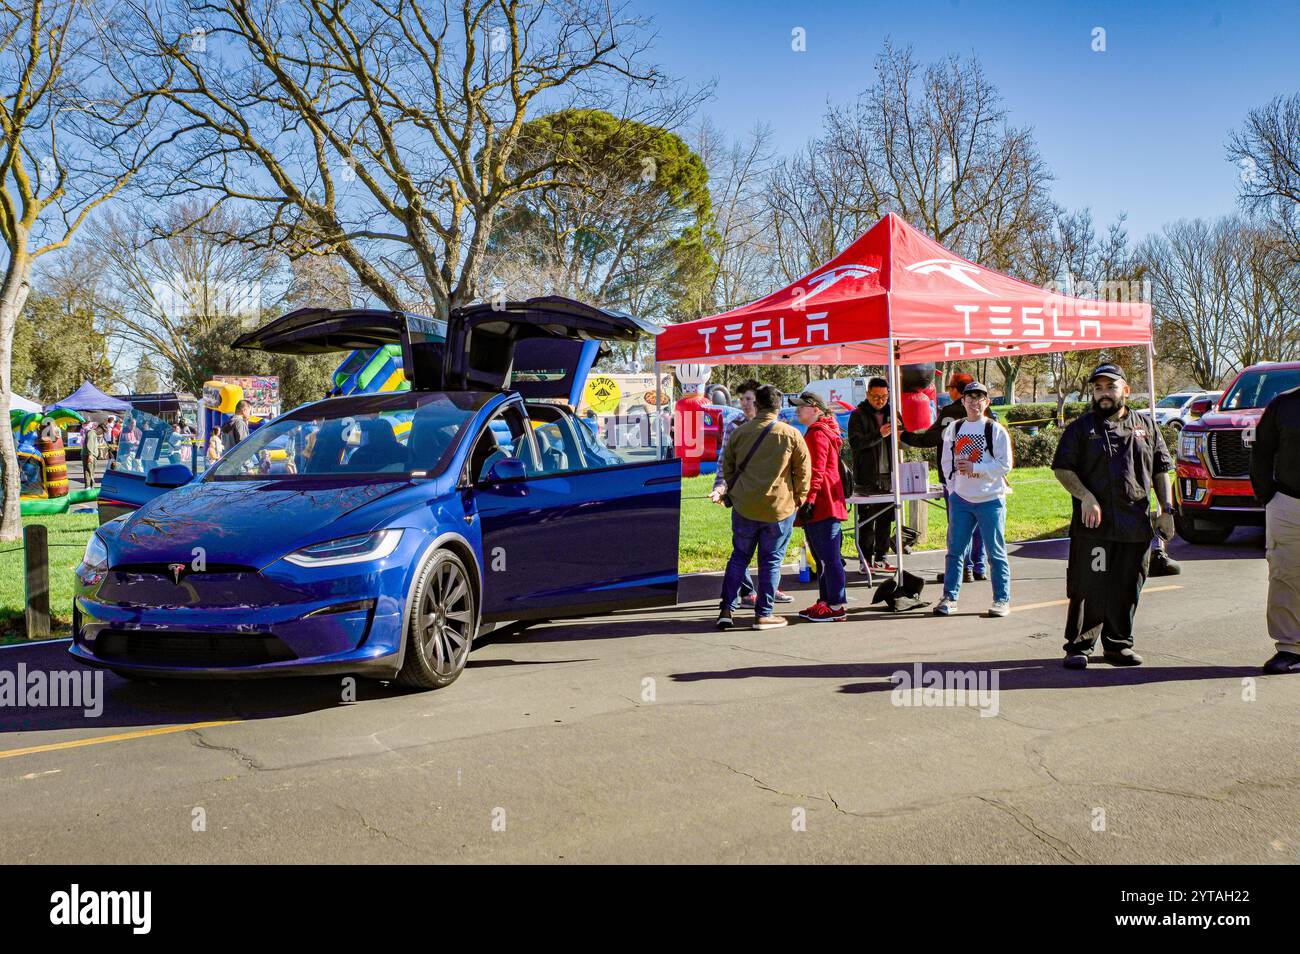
<point>932,436</point>
<point>1109,459</point>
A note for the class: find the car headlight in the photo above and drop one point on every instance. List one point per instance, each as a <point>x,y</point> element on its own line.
<point>356,549</point>
<point>1190,447</point>
<point>94,562</point>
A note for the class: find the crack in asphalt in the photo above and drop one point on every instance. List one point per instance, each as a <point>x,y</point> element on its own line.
<point>231,750</point>
<point>375,830</point>
<point>1063,849</point>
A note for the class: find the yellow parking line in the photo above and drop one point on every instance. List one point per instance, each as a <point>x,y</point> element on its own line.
<point>120,737</point>
<point>1145,590</point>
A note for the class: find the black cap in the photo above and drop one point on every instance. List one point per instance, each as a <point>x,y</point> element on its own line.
<point>809,399</point>
<point>975,387</point>
<point>1107,370</point>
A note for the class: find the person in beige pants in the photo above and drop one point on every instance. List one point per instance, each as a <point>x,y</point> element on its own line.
<point>1275,476</point>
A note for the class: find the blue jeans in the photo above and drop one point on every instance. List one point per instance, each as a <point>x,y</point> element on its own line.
<point>974,559</point>
<point>770,540</point>
<point>963,518</point>
<point>824,537</point>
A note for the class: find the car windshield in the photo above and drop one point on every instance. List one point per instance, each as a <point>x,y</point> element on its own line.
<point>403,433</point>
<point>1257,388</point>
<point>1174,400</point>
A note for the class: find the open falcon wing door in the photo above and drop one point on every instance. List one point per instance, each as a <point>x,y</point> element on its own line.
<point>542,347</point>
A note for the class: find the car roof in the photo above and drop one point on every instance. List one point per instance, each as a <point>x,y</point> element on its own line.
<point>1273,365</point>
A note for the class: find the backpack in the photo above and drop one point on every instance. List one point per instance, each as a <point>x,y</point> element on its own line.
<point>951,431</point>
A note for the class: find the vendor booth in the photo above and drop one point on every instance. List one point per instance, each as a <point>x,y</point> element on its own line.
<point>897,297</point>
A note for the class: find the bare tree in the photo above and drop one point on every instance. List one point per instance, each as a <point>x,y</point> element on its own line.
<point>75,127</point>
<point>1227,292</point>
<point>934,146</point>
<point>1267,152</point>
<point>381,133</point>
<point>173,277</point>
<point>743,247</point>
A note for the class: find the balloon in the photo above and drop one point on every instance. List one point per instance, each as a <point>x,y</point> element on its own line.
<point>916,377</point>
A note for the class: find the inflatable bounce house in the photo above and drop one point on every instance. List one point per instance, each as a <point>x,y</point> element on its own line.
<point>43,464</point>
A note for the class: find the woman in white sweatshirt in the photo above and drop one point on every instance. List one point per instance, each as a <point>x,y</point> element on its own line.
<point>976,458</point>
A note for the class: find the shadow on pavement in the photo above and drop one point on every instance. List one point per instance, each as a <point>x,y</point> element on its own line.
<point>1246,543</point>
<point>1012,673</point>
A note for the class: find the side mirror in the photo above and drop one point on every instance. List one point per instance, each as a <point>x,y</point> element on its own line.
<point>168,475</point>
<point>506,469</point>
<point>1201,406</point>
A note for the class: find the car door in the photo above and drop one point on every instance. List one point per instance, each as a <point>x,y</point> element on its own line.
<point>578,538</point>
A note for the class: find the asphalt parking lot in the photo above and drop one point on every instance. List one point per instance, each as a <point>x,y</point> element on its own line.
<point>650,737</point>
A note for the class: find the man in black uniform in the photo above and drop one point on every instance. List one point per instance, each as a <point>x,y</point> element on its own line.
<point>1109,459</point>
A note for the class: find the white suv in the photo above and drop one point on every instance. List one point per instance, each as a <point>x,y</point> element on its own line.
<point>1176,409</point>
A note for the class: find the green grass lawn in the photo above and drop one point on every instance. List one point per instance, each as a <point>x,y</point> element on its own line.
<point>1038,508</point>
<point>68,533</point>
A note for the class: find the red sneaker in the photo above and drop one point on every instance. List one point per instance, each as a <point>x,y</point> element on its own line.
<point>815,608</point>
<point>821,612</point>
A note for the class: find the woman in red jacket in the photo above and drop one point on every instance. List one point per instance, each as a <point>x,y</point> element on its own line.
<point>825,507</point>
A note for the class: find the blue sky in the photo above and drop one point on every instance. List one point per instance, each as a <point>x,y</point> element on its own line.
<point>1140,128</point>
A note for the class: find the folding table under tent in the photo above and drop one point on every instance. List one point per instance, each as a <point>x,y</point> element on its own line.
<point>896,296</point>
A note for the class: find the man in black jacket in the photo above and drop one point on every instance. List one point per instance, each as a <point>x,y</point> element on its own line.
<point>870,426</point>
<point>1275,477</point>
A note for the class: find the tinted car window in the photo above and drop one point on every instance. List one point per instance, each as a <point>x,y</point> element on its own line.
<point>1257,388</point>
<point>395,433</point>
<point>147,441</point>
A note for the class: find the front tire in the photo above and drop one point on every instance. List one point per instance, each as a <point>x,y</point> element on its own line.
<point>442,625</point>
<point>1202,532</point>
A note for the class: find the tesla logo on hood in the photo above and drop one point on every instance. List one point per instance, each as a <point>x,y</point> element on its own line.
<point>826,279</point>
<point>177,571</point>
<point>960,272</point>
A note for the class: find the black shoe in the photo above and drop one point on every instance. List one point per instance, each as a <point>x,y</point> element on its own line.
<point>1076,661</point>
<point>981,576</point>
<point>1163,565</point>
<point>725,621</point>
<point>968,576</point>
<point>1122,657</point>
<point>1283,662</point>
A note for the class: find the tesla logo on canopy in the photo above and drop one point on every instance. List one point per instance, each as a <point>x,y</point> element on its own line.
<point>177,571</point>
<point>826,279</point>
<point>958,271</point>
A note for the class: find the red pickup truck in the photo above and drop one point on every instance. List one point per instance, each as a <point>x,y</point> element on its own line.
<point>1213,492</point>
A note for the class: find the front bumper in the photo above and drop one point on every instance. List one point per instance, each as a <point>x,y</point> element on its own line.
<point>240,622</point>
<point>1216,499</point>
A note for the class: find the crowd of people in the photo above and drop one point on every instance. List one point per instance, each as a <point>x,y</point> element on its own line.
<point>1109,459</point>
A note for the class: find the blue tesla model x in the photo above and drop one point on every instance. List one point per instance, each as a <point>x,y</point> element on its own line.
<point>380,534</point>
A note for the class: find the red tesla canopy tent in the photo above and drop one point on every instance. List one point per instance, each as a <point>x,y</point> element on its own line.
<point>896,296</point>
<point>894,282</point>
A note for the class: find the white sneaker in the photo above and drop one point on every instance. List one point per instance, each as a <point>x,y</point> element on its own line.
<point>945,607</point>
<point>1000,608</point>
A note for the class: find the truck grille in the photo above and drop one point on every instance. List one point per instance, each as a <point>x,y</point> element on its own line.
<point>1228,456</point>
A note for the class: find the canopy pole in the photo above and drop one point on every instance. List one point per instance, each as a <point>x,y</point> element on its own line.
<point>1151,393</point>
<point>896,477</point>
<point>659,416</point>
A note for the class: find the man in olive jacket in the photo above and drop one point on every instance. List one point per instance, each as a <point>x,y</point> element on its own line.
<point>766,469</point>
